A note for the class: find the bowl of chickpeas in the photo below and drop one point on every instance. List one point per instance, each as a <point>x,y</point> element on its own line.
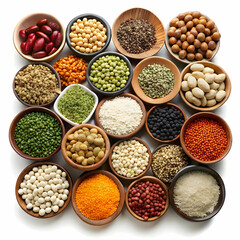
<point>88,35</point>
<point>192,36</point>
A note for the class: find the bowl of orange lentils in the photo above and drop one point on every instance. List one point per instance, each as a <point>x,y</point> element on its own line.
<point>206,137</point>
<point>71,70</point>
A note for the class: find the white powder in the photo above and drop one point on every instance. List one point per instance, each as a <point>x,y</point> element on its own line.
<point>120,115</point>
<point>196,193</point>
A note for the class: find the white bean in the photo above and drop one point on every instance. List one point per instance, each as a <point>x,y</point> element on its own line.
<point>192,82</point>
<point>197,67</point>
<point>219,78</point>
<point>189,96</point>
<point>198,74</point>
<point>214,86</point>
<point>196,101</point>
<point>202,84</point>
<point>203,101</point>
<point>185,86</point>
<point>208,70</point>
<point>209,78</point>
<point>222,86</point>
<point>197,92</point>
<point>220,95</point>
<point>186,76</point>
<point>211,102</point>
<point>211,94</point>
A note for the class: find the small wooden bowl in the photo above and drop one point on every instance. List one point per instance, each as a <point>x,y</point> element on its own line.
<point>125,135</point>
<point>139,13</point>
<point>161,61</point>
<point>218,70</point>
<point>185,60</point>
<point>88,16</point>
<point>203,169</point>
<point>162,105</point>
<point>31,20</point>
<point>215,117</point>
<point>79,166</point>
<point>115,214</point>
<point>141,174</point>
<point>53,71</point>
<point>22,203</point>
<point>113,93</point>
<point>13,126</point>
<point>153,180</point>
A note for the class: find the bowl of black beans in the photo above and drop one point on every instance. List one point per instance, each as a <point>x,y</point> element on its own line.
<point>164,122</point>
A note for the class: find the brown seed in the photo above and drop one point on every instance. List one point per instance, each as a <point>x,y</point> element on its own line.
<point>188,18</point>
<point>172,40</point>
<point>200,28</point>
<point>183,37</point>
<point>180,24</point>
<point>190,56</point>
<point>173,22</point>
<point>171,32</point>
<point>183,29</point>
<point>214,30</point>
<point>197,43</point>
<point>208,39</point>
<point>182,54</point>
<point>201,37</point>
<point>198,56</point>
<point>210,24</point>
<point>175,48</point>
<point>196,14</point>
<point>194,32</point>
<point>190,38</point>
<point>189,24</point>
<point>209,54</point>
<point>204,46</point>
<point>195,21</point>
<point>191,49</point>
<point>177,33</point>
<point>185,45</point>
<point>216,36</point>
<point>207,31</point>
<point>181,16</point>
<point>203,21</point>
<point>211,45</point>
<point>179,43</point>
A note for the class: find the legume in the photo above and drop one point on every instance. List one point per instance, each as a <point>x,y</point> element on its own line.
<point>156,80</point>
<point>36,84</point>
<point>44,189</point>
<point>205,139</point>
<point>76,104</point>
<point>85,146</point>
<point>167,161</point>
<point>38,134</point>
<point>136,35</point>
<point>109,73</point>
<point>165,122</point>
<point>130,158</point>
<point>147,199</point>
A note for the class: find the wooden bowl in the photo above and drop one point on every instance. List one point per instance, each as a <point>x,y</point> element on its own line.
<point>79,166</point>
<point>137,176</point>
<point>139,13</point>
<point>218,70</point>
<point>153,180</point>
<point>88,16</point>
<point>115,214</point>
<point>161,61</point>
<point>221,196</point>
<point>31,20</point>
<point>13,126</point>
<point>53,71</point>
<point>162,105</point>
<point>185,60</point>
<point>221,122</point>
<point>22,203</point>
<point>155,150</point>
<point>125,135</point>
<point>105,93</point>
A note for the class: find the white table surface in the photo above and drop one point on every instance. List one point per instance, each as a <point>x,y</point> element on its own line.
<point>15,223</point>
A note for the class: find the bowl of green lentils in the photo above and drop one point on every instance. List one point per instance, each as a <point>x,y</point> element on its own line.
<point>109,73</point>
<point>36,133</point>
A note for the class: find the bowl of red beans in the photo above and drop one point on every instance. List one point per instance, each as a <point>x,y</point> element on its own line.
<point>147,198</point>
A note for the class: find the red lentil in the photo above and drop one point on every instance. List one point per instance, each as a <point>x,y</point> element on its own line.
<point>205,139</point>
<point>147,199</point>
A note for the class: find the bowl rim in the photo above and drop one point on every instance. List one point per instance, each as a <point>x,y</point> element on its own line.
<point>162,105</point>
<point>53,71</point>
<point>144,179</point>
<point>186,61</point>
<point>139,175</point>
<point>161,61</point>
<point>88,167</point>
<point>139,127</point>
<point>140,55</point>
<point>14,123</point>
<point>94,59</point>
<point>163,145</point>
<point>217,118</point>
<point>88,15</point>
<point>121,202</point>
<point>22,203</point>
<point>55,106</point>
<point>212,173</point>
<point>212,65</point>
<point>46,58</point>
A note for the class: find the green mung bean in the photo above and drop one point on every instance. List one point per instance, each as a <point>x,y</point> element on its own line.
<point>156,80</point>
<point>38,134</point>
<point>76,104</point>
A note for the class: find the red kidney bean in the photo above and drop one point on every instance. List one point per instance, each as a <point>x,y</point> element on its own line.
<point>32,29</point>
<point>32,36</point>
<point>43,35</point>
<point>22,34</point>
<point>54,26</point>
<point>54,35</point>
<point>58,40</point>
<point>39,44</point>
<point>49,47</point>
<point>39,54</point>
<point>42,22</point>
<point>22,46</point>
<point>46,29</point>
<point>27,48</point>
<point>52,51</point>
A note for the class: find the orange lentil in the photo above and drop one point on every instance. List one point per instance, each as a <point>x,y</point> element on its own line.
<point>97,197</point>
<point>205,139</point>
<point>71,70</point>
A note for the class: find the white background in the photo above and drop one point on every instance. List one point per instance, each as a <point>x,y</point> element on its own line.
<point>16,223</point>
